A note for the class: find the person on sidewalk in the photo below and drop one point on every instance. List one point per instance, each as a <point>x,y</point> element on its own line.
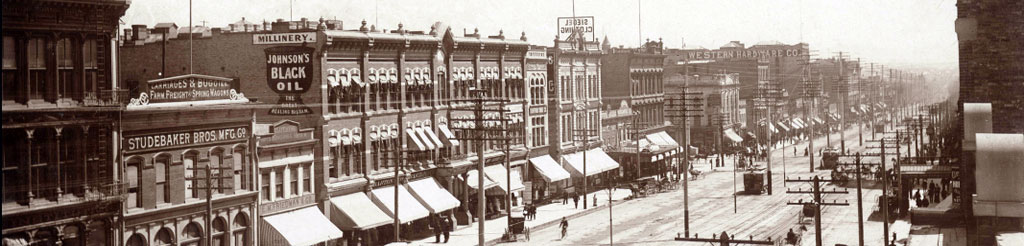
<point>595,200</point>
<point>437,222</point>
<point>565,227</point>
<point>446,227</point>
<point>576,200</point>
<point>565,198</point>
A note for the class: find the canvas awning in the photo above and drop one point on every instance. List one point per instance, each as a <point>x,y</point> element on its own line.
<point>602,158</point>
<point>731,135</point>
<point>421,135</point>
<point>356,212</point>
<point>818,120</point>
<point>772,128</point>
<point>1000,174</point>
<point>782,126</point>
<point>409,208</point>
<point>305,226</point>
<point>574,164</point>
<point>471,180</point>
<point>658,139</point>
<point>549,168</point>
<point>447,136</point>
<point>414,140</point>
<point>428,192</point>
<point>433,137</point>
<point>500,176</point>
<point>668,139</point>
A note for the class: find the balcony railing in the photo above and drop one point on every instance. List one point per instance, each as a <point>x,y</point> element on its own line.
<point>107,98</point>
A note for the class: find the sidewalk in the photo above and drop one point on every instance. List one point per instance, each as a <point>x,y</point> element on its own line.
<point>547,215</point>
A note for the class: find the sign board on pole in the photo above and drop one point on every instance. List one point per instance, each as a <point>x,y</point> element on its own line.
<point>584,24</point>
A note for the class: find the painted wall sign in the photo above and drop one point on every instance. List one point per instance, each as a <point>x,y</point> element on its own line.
<point>284,38</point>
<point>584,24</point>
<point>290,74</point>
<point>185,138</point>
<point>743,54</point>
<point>189,88</point>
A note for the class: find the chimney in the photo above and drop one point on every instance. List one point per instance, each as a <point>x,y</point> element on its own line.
<point>279,26</point>
<point>305,23</point>
<point>127,34</point>
<point>140,32</point>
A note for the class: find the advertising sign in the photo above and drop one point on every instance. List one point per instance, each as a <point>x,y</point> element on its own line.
<point>583,24</point>
<point>289,74</point>
<point>188,88</point>
<point>184,138</point>
<point>284,38</point>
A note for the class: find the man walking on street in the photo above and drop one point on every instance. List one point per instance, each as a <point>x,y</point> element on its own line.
<point>576,200</point>
<point>438,227</point>
<point>446,227</point>
<point>565,227</point>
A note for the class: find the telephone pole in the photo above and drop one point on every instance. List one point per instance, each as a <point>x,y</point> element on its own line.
<point>817,202</point>
<point>683,106</point>
<point>207,186</point>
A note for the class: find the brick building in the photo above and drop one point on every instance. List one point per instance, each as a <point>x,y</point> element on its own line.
<point>61,102</point>
<point>991,68</point>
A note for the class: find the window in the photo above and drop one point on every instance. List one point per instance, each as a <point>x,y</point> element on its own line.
<point>279,183</point>
<point>192,236</point>
<point>219,238</point>
<point>10,71</point>
<point>307,183</point>
<point>65,68</point>
<point>241,169</point>
<point>36,68</point>
<point>293,181</point>
<point>131,175</point>
<point>162,164</point>
<point>375,145</point>
<point>265,185</point>
<point>89,53</point>
<point>358,163</point>
<point>191,174</point>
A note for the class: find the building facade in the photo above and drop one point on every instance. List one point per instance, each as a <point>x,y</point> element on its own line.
<point>719,109</point>
<point>61,102</point>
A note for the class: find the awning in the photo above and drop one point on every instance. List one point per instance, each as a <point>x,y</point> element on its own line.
<point>1000,174</point>
<point>409,208</point>
<point>447,136</point>
<point>500,176</point>
<point>422,136</point>
<point>783,126</point>
<point>356,212</point>
<point>801,122</point>
<point>818,120</point>
<point>834,116</point>
<point>549,168</point>
<point>729,133</point>
<point>471,180</point>
<point>433,137</point>
<point>668,139</point>
<point>411,135</point>
<point>796,125</point>
<point>428,192</point>
<point>306,226</point>
<point>602,158</point>
<point>658,139</point>
<point>574,164</point>
<point>749,135</point>
<point>772,128</point>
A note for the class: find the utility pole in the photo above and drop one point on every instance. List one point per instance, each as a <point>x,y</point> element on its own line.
<point>722,118</point>
<point>678,107</point>
<point>585,135</point>
<point>885,183</point>
<point>817,202</point>
<point>844,89</point>
<point>483,103</point>
<point>811,91</point>
<point>208,186</point>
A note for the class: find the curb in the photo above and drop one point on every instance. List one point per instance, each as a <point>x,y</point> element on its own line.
<point>568,217</point>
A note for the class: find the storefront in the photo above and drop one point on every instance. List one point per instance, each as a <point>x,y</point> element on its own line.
<point>182,148</point>
<point>551,182</point>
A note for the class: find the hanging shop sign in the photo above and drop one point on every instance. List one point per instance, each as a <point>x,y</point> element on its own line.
<point>284,38</point>
<point>289,74</point>
<point>185,138</point>
<point>583,24</point>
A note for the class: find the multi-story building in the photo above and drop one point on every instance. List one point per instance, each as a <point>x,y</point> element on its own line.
<point>719,106</point>
<point>61,102</point>
<point>991,62</point>
<point>186,154</point>
<point>574,110</point>
<point>633,80</point>
<point>544,173</point>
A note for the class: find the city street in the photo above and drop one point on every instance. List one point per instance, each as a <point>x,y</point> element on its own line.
<point>658,219</point>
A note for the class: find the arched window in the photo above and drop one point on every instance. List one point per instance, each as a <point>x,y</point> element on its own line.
<point>136,240</point>
<point>241,169</point>
<point>164,238</point>
<point>219,238</point>
<point>192,235</point>
<point>190,160</point>
<point>71,236</point>
<point>218,178</point>
<point>240,230</point>
<point>161,166</point>
<point>131,176</point>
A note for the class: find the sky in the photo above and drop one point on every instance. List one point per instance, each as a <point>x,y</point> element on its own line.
<point>905,33</point>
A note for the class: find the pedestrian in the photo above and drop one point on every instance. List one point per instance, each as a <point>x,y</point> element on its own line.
<point>565,198</point>
<point>533,212</point>
<point>438,227</point>
<point>576,200</point>
<point>791,237</point>
<point>446,228</point>
<point>794,150</point>
<point>595,200</point>
<point>564,225</point>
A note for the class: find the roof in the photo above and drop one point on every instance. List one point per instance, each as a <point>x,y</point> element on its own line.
<point>769,43</point>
